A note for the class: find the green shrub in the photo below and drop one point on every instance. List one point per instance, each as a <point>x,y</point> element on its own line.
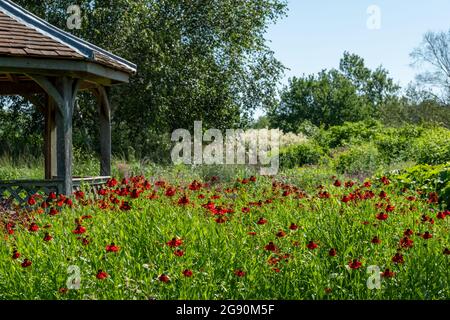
<point>433,147</point>
<point>361,159</point>
<point>307,153</point>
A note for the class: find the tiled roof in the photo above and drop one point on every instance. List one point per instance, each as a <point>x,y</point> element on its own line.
<point>23,34</point>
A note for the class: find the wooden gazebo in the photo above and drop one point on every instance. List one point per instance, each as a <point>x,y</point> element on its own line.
<point>38,58</point>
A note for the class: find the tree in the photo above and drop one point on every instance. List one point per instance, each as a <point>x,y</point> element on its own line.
<point>351,93</point>
<point>197,60</point>
<point>434,52</point>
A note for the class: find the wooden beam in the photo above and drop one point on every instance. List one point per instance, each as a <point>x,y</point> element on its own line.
<point>50,140</point>
<point>51,90</point>
<point>104,110</point>
<point>61,67</point>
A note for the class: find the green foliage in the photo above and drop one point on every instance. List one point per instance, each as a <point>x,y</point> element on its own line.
<point>358,160</point>
<point>427,178</point>
<point>307,153</point>
<point>432,147</point>
<point>330,98</point>
<point>197,60</point>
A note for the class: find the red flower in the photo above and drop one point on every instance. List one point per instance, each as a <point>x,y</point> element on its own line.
<point>441,215</point>
<point>79,230</point>
<point>332,252</point>
<point>337,183</point>
<point>311,245</point>
<point>112,248</point>
<point>246,210</point>
<point>367,184</point>
<point>187,273</point>
<point>125,206</point>
<point>85,241</point>
<point>178,253</point>
<point>280,234</point>
<point>387,274</point>
<point>385,180</point>
<point>101,275</point>
<point>376,240</point>
<point>398,258</point>
<point>406,242</point>
<point>239,273</point>
<point>26,263</point>
<point>68,202</point>
<point>433,197</point>
<point>33,227</point>
<point>328,290</point>
<point>382,216</point>
<point>63,290</point>
<point>271,247</point>
<point>447,251</point>
<point>170,192</point>
<point>86,217</point>
<point>175,242</point>
<point>31,201</point>
<point>383,195</point>
<point>408,232</point>
<point>355,264</point>
<point>293,226</point>
<point>111,183</point>
<point>135,193</point>
<point>53,212</point>
<point>427,235</point>
<point>52,196</point>
<point>15,255</point>
<point>184,200</point>
<point>164,278</point>
<point>262,221</point>
<point>220,220</point>
<point>252,233</point>
<point>47,237</point>
<point>390,208</point>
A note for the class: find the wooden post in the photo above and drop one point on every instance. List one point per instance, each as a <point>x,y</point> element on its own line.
<point>50,140</point>
<point>104,110</point>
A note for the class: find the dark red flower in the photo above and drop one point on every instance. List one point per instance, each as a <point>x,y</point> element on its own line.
<point>112,247</point>
<point>406,242</point>
<point>164,278</point>
<point>26,263</point>
<point>15,255</point>
<point>63,290</point>
<point>332,252</point>
<point>86,217</point>
<point>53,212</point>
<point>125,206</point>
<point>447,251</point>
<point>280,234</point>
<point>239,273</point>
<point>311,245</point>
<point>385,180</point>
<point>187,273</point>
<point>170,192</point>
<point>79,229</point>
<point>52,196</point>
<point>427,235</point>
<point>408,232</point>
<point>398,258</point>
<point>175,242</point>
<point>101,275</point>
<point>387,274</point>
<point>293,226</point>
<point>135,193</point>
<point>262,221</point>
<point>220,220</point>
<point>441,215</point>
<point>246,210</point>
<point>252,233</point>
<point>367,184</point>
<point>184,200</point>
<point>31,201</point>
<point>47,237</point>
<point>382,216</point>
<point>390,208</point>
<point>178,253</point>
<point>328,290</point>
<point>355,264</point>
<point>33,227</point>
<point>271,247</point>
<point>383,195</point>
<point>376,240</point>
<point>337,183</point>
<point>433,197</point>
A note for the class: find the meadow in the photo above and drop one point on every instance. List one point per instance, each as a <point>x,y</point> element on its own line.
<point>294,236</point>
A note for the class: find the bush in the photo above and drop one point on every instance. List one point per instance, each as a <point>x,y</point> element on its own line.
<point>427,178</point>
<point>361,159</point>
<point>307,153</point>
<point>433,147</point>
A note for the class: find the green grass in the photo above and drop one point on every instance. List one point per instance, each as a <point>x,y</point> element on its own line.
<point>214,251</point>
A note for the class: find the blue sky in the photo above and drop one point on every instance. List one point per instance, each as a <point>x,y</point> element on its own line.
<point>315,34</point>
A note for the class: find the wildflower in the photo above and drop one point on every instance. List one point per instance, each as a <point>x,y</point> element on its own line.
<point>111,183</point>
<point>398,258</point>
<point>245,210</point>
<point>427,235</point>
<point>187,273</point>
<point>79,229</point>
<point>31,201</point>
<point>170,192</point>
<point>406,242</point>
<point>15,255</point>
<point>390,208</point>
<point>433,197</point>
<point>101,275</point>
<point>385,180</point>
<point>262,221</point>
<point>311,245</point>
<point>63,290</point>
<point>112,248</point>
<point>387,274</point>
<point>408,232</point>
<point>280,234</point>
<point>26,263</point>
<point>293,226</point>
<point>328,290</point>
<point>125,206</point>
<point>382,216</point>
<point>47,237</point>
<point>355,264</point>
<point>184,200</point>
<point>53,212</point>
<point>337,183</point>
<point>175,242</point>
<point>271,247</point>
<point>447,251</point>
<point>376,240</point>
<point>33,227</point>
<point>220,220</point>
<point>383,195</point>
<point>239,273</point>
<point>164,278</point>
<point>332,252</point>
<point>251,233</point>
<point>178,253</point>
